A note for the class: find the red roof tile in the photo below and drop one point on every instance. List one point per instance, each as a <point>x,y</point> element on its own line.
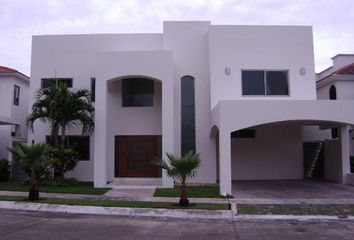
<point>7,70</point>
<point>347,70</point>
<point>11,70</point>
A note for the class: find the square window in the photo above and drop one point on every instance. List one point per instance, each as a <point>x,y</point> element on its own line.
<point>277,83</point>
<point>262,82</point>
<point>253,82</point>
<point>137,92</point>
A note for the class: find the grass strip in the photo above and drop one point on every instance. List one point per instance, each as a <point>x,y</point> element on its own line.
<point>297,209</point>
<point>193,192</point>
<point>66,187</point>
<point>117,203</point>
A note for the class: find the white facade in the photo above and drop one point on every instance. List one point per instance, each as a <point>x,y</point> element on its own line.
<point>215,56</point>
<point>12,116</point>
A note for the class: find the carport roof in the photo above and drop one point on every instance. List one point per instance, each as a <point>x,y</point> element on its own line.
<point>232,115</point>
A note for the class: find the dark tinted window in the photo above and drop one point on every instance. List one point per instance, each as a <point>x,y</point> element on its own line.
<point>137,92</point>
<point>253,82</point>
<point>244,133</point>
<point>332,93</point>
<point>187,115</point>
<point>277,83</point>
<point>81,144</point>
<point>16,95</point>
<point>93,89</point>
<point>49,82</point>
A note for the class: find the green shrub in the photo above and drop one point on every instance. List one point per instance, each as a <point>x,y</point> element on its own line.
<point>4,170</point>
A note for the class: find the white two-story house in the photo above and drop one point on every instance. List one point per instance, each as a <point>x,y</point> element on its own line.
<point>14,87</point>
<point>238,95</point>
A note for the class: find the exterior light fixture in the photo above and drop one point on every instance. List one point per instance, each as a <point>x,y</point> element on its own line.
<point>228,71</point>
<point>302,71</point>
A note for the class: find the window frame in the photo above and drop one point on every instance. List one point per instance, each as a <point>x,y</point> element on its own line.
<point>16,97</point>
<point>265,82</point>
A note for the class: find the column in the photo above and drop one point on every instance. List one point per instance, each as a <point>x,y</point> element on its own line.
<point>100,138</point>
<point>225,162</point>
<point>167,126</point>
<point>344,153</point>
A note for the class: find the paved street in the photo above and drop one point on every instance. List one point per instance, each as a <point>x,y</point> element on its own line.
<point>30,225</point>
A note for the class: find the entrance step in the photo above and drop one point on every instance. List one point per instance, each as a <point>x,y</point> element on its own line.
<point>135,183</point>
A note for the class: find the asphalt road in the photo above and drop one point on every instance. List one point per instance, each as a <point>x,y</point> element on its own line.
<point>36,225</point>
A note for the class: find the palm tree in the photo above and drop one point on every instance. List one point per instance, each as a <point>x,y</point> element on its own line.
<point>31,158</point>
<point>63,108</point>
<point>181,169</point>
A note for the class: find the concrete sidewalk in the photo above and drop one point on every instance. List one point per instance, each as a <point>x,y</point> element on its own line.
<point>147,195</point>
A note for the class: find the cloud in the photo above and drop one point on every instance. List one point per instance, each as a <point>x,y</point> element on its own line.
<point>20,19</point>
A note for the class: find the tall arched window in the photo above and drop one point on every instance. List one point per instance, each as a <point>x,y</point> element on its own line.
<point>187,114</point>
<point>332,93</point>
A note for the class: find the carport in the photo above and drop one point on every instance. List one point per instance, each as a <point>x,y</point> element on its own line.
<point>232,116</point>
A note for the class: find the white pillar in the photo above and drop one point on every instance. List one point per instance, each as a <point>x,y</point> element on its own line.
<point>167,127</point>
<point>225,162</point>
<point>344,153</point>
<point>99,173</point>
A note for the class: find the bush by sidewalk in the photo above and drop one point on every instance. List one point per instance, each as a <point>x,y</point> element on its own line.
<point>4,170</point>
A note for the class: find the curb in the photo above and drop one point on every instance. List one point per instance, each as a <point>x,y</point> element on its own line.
<point>160,213</point>
<point>293,217</point>
<point>116,211</point>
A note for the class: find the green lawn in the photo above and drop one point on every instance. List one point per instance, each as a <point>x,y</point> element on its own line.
<point>117,203</point>
<point>193,192</point>
<point>66,187</point>
<point>296,209</point>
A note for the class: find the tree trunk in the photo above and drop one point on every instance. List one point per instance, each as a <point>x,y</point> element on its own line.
<point>183,201</point>
<point>33,194</point>
<point>62,148</point>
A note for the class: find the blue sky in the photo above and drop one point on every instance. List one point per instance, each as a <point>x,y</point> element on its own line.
<point>332,20</point>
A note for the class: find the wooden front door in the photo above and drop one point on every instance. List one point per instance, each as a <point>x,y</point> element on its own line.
<point>134,154</point>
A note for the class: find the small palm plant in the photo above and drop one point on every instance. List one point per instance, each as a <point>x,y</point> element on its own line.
<point>31,158</point>
<point>181,169</point>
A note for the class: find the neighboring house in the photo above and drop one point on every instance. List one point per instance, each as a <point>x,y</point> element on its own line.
<point>239,95</point>
<point>14,87</point>
<point>337,83</point>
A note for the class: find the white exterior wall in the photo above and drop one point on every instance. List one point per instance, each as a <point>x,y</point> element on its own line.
<point>130,120</point>
<point>13,112</point>
<point>6,101</point>
<point>260,48</point>
<point>189,43</point>
<point>274,153</point>
<point>203,51</point>
<point>75,57</point>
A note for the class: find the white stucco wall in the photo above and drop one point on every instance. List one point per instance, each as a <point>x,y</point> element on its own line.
<point>130,120</point>
<point>12,112</point>
<point>189,43</point>
<point>275,153</point>
<point>260,48</point>
<point>75,57</point>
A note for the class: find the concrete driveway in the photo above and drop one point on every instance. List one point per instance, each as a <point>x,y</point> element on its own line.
<point>292,189</point>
